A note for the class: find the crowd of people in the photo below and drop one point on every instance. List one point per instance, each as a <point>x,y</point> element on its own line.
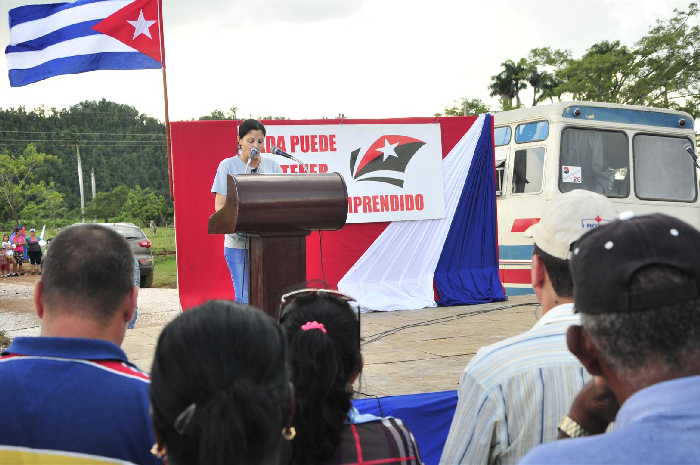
<point>19,248</point>
<point>618,341</point>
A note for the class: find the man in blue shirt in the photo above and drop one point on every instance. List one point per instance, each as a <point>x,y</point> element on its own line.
<point>636,286</point>
<point>72,392</point>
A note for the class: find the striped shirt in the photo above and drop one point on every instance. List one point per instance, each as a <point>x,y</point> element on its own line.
<point>72,400</point>
<point>514,393</point>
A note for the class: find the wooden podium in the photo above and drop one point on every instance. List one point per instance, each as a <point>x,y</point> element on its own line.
<point>278,211</point>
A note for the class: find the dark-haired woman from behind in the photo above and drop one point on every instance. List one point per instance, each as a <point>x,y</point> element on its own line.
<point>323,335</point>
<point>220,391</point>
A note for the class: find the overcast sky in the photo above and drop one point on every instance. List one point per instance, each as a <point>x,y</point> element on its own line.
<point>316,58</point>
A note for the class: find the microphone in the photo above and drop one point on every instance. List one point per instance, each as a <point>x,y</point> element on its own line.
<point>254,155</point>
<point>277,151</point>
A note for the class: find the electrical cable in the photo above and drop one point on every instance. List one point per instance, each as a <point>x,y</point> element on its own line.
<point>378,336</point>
<point>446,319</point>
<point>154,134</point>
<point>87,142</point>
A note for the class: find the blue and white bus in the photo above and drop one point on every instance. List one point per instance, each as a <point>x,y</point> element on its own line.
<point>642,158</point>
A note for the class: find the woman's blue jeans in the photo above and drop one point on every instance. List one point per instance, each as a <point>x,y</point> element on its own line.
<point>237,261</point>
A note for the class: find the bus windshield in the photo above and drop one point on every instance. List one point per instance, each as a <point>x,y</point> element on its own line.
<point>594,160</point>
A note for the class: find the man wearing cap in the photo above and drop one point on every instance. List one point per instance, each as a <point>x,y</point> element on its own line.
<point>637,283</point>
<point>513,393</point>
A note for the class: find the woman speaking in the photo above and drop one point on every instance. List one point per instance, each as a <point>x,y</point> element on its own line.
<point>251,140</point>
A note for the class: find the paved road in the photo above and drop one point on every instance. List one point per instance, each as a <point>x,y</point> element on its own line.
<point>405,352</point>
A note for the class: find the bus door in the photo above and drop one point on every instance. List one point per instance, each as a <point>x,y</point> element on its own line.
<point>521,201</point>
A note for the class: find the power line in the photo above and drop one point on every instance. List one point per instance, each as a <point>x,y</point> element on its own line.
<point>69,141</point>
<point>157,134</point>
<point>90,144</point>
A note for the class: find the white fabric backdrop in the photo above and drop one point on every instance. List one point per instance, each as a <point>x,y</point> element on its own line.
<point>396,272</point>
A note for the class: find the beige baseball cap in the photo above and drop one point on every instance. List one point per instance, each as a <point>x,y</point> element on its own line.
<point>567,217</point>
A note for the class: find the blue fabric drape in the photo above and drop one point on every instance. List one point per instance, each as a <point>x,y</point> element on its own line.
<point>428,416</point>
<point>467,272</point>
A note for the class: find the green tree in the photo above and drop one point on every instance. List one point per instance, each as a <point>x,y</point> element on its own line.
<point>667,64</point>
<point>120,144</point>
<point>601,74</point>
<point>143,206</point>
<point>231,113</point>
<point>548,57</point>
<point>23,180</point>
<point>662,69</point>
<point>509,82</point>
<point>107,206</point>
<point>43,204</point>
<point>465,107</point>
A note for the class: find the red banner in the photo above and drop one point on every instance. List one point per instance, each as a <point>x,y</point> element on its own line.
<point>198,147</point>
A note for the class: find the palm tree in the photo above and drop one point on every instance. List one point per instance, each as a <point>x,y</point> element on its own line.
<point>502,87</point>
<point>508,83</point>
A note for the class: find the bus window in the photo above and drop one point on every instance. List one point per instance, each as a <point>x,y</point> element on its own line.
<point>531,132</point>
<point>528,168</point>
<point>594,160</point>
<point>663,168</point>
<point>500,171</point>
<point>502,135</point>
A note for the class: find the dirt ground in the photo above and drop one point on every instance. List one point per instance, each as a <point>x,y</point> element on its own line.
<point>405,352</point>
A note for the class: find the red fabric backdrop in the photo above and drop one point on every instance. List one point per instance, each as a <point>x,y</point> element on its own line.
<point>197,149</point>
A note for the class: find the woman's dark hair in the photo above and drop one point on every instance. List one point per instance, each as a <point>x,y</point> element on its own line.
<point>323,364</point>
<point>250,125</point>
<point>229,360</point>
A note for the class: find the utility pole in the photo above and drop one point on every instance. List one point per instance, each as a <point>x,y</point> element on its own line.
<point>80,182</point>
<point>92,179</point>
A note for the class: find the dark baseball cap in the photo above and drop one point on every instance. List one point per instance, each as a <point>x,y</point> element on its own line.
<point>605,259</point>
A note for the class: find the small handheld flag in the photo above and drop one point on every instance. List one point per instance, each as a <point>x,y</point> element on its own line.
<point>85,35</point>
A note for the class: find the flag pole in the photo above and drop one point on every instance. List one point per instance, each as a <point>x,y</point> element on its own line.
<point>165,99</point>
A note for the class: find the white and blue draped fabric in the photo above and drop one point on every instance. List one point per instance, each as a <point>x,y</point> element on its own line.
<point>455,257</point>
<point>53,39</point>
<point>467,272</point>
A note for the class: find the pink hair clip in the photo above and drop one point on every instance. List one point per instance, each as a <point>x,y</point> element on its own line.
<point>309,325</point>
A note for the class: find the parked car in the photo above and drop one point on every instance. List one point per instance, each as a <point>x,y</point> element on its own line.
<point>140,246</point>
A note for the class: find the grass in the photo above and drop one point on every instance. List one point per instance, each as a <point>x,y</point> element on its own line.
<point>163,241</point>
<point>165,271</point>
<point>163,247</point>
<point>164,261</point>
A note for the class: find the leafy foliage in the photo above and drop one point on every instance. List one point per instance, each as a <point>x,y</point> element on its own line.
<point>465,107</point>
<point>26,185</point>
<point>144,206</point>
<point>661,70</point>
<point>126,204</point>
<point>221,114</point>
<point>38,163</point>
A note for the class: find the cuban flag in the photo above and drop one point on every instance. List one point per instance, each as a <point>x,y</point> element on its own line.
<point>84,35</point>
<point>447,261</point>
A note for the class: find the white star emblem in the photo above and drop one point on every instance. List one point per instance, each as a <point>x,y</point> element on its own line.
<point>141,26</point>
<point>388,150</point>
